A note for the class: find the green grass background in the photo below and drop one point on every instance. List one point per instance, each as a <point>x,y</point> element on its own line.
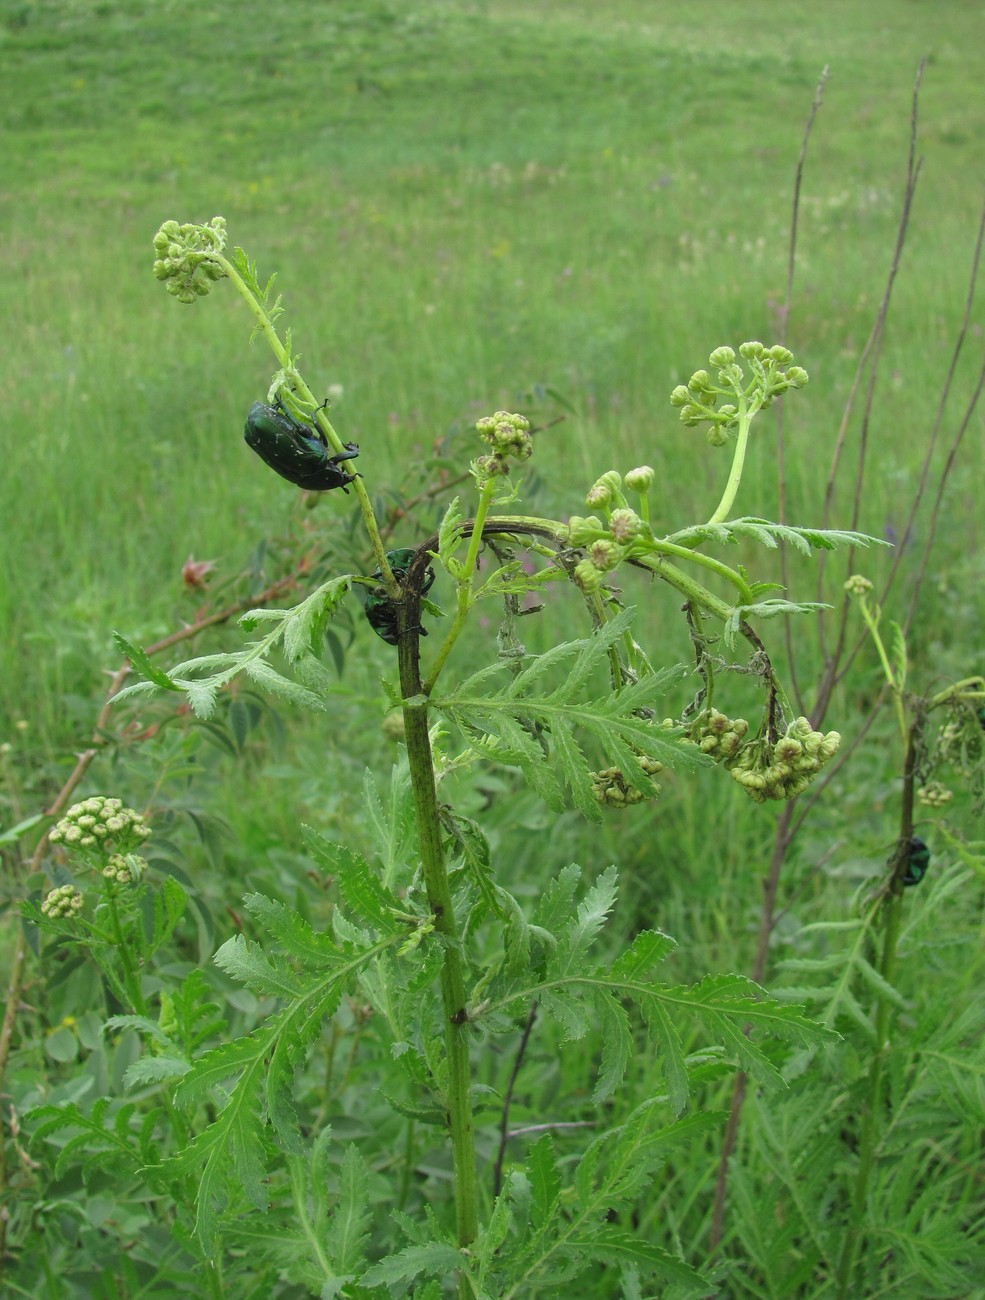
<point>459,200</point>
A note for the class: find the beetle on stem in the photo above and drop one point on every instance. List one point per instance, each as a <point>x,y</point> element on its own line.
<point>296,450</point>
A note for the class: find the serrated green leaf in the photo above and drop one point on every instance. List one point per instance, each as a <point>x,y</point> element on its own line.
<point>142,664</point>
<point>435,1258</point>
<point>259,671</point>
<point>545,1180</point>
<point>879,984</point>
<point>448,531</point>
<point>349,1227</point>
<point>304,625</point>
<point>611,1245</point>
<point>617,1046</point>
<point>247,962</point>
<point>154,1069</point>
<point>672,1063</point>
<point>645,953</point>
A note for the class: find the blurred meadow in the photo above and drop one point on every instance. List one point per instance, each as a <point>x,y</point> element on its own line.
<point>460,201</point>
<point>465,202</point>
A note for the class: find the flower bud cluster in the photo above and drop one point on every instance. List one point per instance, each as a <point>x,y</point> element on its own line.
<point>697,400</point>
<point>961,741</point>
<point>857,585</point>
<point>100,825</point>
<point>785,769</point>
<point>934,794</point>
<point>613,790</point>
<point>125,870</point>
<point>62,901</point>
<point>609,542</point>
<point>185,257</point>
<point>718,735</point>
<point>508,435</point>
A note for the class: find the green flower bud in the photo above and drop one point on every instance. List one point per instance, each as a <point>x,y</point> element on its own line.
<point>722,356</point>
<point>829,745</point>
<point>778,353</point>
<point>581,530</point>
<point>599,495</point>
<point>700,382</point>
<point>692,415</point>
<point>639,479</point>
<point>680,396</point>
<point>487,467</point>
<point>752,349</point>
<point>856,585</point>
<point>625,526</point>
<point>604,554</point>
<point>796,376</point>
<point>587,576</point>
<point>393,725</point>
<point>716,435</point>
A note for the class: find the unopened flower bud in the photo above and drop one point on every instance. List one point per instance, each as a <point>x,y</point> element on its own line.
<point>856,585</point>
<point>625,525</point>
<point>722,356</point>
<point>587,576</point>
<point>781,355</point>
<point>604,554</point>
<point>639,479</point>
<point>751,349</point>
<point>829,745</point>
<point>680,396</point>
<point>582,530</point>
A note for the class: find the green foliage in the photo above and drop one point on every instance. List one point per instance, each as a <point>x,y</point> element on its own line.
<point>281,1120</point>
<point>512,725</point>
<point>299,632</point>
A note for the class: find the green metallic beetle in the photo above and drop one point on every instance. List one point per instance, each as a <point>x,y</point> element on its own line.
<point>380,610</point>
<point>917,861</point>
<point>295,450</point>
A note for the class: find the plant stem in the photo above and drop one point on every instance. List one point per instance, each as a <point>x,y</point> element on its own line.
<point>745,415</point>
<point>456,1023</point>
<point>266,327</point>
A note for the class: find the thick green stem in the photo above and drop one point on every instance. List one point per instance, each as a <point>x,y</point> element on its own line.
<point>455,1014</point>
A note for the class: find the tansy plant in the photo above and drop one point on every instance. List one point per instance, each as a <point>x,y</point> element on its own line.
<point>435,941</point>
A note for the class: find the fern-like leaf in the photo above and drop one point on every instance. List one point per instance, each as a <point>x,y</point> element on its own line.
<point>512,726</point>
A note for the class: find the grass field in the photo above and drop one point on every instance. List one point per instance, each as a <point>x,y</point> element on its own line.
<point>459,201</point>
<point>462,201</point>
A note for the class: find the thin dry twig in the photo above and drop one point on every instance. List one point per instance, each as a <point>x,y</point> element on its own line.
<point>784,321</point>
<point>504,1132</point>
